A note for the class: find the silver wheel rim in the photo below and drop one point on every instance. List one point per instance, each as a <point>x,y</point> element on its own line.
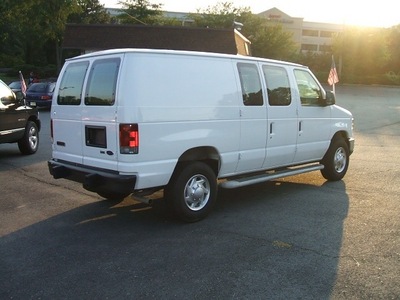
<point>197,192</point>
<point>340,160</point>
<point>32,138</point>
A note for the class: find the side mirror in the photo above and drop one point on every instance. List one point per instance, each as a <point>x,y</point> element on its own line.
<point>19,96</point>
<point>330,98</point>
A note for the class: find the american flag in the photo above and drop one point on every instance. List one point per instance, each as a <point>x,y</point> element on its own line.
<point>333,76</point>
<point>23,84</point>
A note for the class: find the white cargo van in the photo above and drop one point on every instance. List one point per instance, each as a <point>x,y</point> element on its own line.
<point>133,121</point>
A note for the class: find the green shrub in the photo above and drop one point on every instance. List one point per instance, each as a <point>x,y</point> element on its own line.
<point>393,77</point>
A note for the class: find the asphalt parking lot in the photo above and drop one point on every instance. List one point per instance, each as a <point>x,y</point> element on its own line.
<point>296,238</point>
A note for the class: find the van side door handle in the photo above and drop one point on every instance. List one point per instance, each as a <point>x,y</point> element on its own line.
<point>271,130</point>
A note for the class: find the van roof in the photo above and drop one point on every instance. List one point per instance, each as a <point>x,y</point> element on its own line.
<point>179,52</point>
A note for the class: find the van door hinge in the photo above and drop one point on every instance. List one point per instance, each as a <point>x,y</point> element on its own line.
<point>239,156</point>
<point>240,112</point>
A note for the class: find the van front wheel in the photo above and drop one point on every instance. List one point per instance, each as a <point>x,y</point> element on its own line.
<point>192,191</point>
<point>336,160</point>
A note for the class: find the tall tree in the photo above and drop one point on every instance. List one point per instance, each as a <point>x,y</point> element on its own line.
<point>273,42</point>
<point>35,23</point>
<point>221,15</point>
<point>393,42</point>
<point>364,53</point>
<point>90,12</point>
<point>139,12</point>
<point>269,41</point>
<point>12,48</point>
<point>51,17</point>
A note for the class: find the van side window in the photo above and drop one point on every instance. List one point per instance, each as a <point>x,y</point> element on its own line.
<point>70,90</point>
<point>251,85</point>
<point>309,90</point>
<point>278,87</point>
<point>102,82</point>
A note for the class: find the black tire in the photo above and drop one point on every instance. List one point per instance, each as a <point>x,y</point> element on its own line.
<point>192,191</point>
<point>29,143</point>
<point>113,196</point>
<point>336,160</point>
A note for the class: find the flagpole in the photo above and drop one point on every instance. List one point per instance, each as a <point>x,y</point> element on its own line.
<point>23,84</point>
<point>333,77</point>
<point>333,86</point>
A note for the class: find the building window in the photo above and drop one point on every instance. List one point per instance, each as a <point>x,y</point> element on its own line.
<point>309,47</point>
<point>309,32</point>
<point>325,48</point>
<point>326,34</point>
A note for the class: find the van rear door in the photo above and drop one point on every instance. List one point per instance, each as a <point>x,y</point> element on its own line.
<point>66,113</point>
<point>84,118</point>
<point>99,121</point>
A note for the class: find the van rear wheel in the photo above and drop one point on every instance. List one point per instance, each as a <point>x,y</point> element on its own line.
<point>336,160</point>
<point>192,191</point>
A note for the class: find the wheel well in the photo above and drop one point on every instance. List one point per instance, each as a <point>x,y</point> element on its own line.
<point>341,135</point>
<point>206,154</point>
<point>36,120</point>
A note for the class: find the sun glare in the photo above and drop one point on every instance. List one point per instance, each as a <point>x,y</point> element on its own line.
<point>372,15</point>
<point>347,12</point>
<point>383,13</point>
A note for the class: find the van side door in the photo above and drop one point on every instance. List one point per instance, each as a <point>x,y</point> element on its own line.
<point>66,113</point>
<point>314,127</point>
<point>253,116</point>
<point>100,128</point>
<point>282,117</point>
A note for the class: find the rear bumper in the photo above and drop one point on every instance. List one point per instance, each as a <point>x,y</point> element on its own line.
<point>93,179</point>
<point>39,103</point>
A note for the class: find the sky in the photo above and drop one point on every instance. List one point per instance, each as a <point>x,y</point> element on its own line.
<point>383,13</point>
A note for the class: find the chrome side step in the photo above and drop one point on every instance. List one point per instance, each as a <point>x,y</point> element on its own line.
<point>244,181</point>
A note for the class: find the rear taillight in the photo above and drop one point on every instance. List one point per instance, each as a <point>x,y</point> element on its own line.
<point>45,97</point>
<point>128,138</point>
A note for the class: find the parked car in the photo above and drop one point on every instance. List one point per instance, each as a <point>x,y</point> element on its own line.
<point>40,94</point>
<point>15,86</point>
<point>19,123</point>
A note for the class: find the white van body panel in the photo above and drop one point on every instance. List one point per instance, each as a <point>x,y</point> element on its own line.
<point>187,104</point>
<point>176,117</point>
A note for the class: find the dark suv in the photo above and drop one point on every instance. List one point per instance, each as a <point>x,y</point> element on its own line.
<point>19,123</point>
